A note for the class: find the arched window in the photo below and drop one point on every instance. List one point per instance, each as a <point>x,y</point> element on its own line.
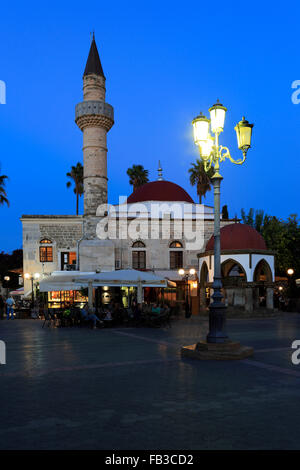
<point>176,255</point>
<point>138,244</point>
<point>139,255</point>
<point>176,244</point>
<point>233,269</point>
<point>46,241</point>
<point>262,272</point>
<point>46,251</point>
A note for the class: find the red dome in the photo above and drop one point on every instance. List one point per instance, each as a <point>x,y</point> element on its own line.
<point>238,237</point>
<point>159,191</point>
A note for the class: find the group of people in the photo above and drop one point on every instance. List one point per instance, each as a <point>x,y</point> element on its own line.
<point>8,305</point>
<point>114,313</point>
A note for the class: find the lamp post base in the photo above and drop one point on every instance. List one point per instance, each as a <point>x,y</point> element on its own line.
<point>230,350</point>
<point>217,323</point>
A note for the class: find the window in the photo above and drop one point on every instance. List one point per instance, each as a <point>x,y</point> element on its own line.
<point>139,260</point>
<point>176,245</point>
<point>46,252</point>
<point>138,244</point>
<point>176,256</point>
<point>45,241</point>
<point>176,259</point>
<point>139,255</point>
<point>68,259</point>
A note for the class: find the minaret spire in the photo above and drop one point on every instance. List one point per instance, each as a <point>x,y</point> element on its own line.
<point>93,64</point>
<point>160,176</point>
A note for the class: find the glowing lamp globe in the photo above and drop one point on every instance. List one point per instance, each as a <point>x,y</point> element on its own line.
<point>200,128</point>
<point>217,117</point>
<point>206,147</point>
<point>244,133</point>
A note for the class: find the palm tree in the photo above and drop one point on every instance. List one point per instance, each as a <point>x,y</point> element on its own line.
<point>201,179</point>
<point>3,195</point>
<point>137,176</point>
<point>76,174</point>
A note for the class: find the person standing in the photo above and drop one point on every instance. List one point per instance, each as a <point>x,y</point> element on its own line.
<point>10,307</point>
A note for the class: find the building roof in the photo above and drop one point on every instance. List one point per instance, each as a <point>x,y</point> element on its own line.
<point>93,64</point>
<point>238,237</point>
<point>160,191</point>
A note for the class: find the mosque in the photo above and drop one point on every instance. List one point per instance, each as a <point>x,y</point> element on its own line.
<point>109,238</point>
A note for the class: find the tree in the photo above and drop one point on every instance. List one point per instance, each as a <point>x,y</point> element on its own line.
<point>200,178</point>
<point>254,218</point>
<point>76,175</point>
<point>225,214</point>
<point>9,262</point>
<point>3,195</point>
<point>137,176</point>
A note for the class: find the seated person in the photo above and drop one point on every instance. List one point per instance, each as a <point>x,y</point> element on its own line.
<point>155,309</point>
<point>90,316</point>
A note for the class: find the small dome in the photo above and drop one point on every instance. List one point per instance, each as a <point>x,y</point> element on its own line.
<point>160,191</point>
<point>238,237</point>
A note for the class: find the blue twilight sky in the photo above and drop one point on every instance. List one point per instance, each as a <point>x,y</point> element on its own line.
<point>164,61</point>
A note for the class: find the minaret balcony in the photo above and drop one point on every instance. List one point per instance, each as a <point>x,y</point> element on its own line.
<point>94,113</point>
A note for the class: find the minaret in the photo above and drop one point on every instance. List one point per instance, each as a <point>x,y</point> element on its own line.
<point>95,118</point>
<point>160,176</point>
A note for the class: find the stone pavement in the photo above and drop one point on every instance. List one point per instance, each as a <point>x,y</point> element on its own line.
<point>116,389</point>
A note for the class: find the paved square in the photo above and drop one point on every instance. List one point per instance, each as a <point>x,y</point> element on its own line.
<point>71,388</point>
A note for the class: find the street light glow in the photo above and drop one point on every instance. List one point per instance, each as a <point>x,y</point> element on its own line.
<point>217,117</point>
<point>201,129</point>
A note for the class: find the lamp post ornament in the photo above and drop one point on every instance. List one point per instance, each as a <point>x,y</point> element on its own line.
<point>212,154</point>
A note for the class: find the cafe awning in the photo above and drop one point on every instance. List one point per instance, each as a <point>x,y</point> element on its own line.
<point>76,280</point>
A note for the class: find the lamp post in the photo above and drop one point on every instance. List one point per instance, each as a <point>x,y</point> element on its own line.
<point>206,137</point>
<point>290,272</point>
<point>32,277</point>
<point>185,276</point>
<point>6,279</point>
<point>212,154</point>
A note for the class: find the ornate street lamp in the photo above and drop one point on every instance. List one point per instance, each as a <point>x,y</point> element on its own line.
<point>212,154</point>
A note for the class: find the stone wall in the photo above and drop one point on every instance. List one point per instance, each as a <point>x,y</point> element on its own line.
<point>63,231</point>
